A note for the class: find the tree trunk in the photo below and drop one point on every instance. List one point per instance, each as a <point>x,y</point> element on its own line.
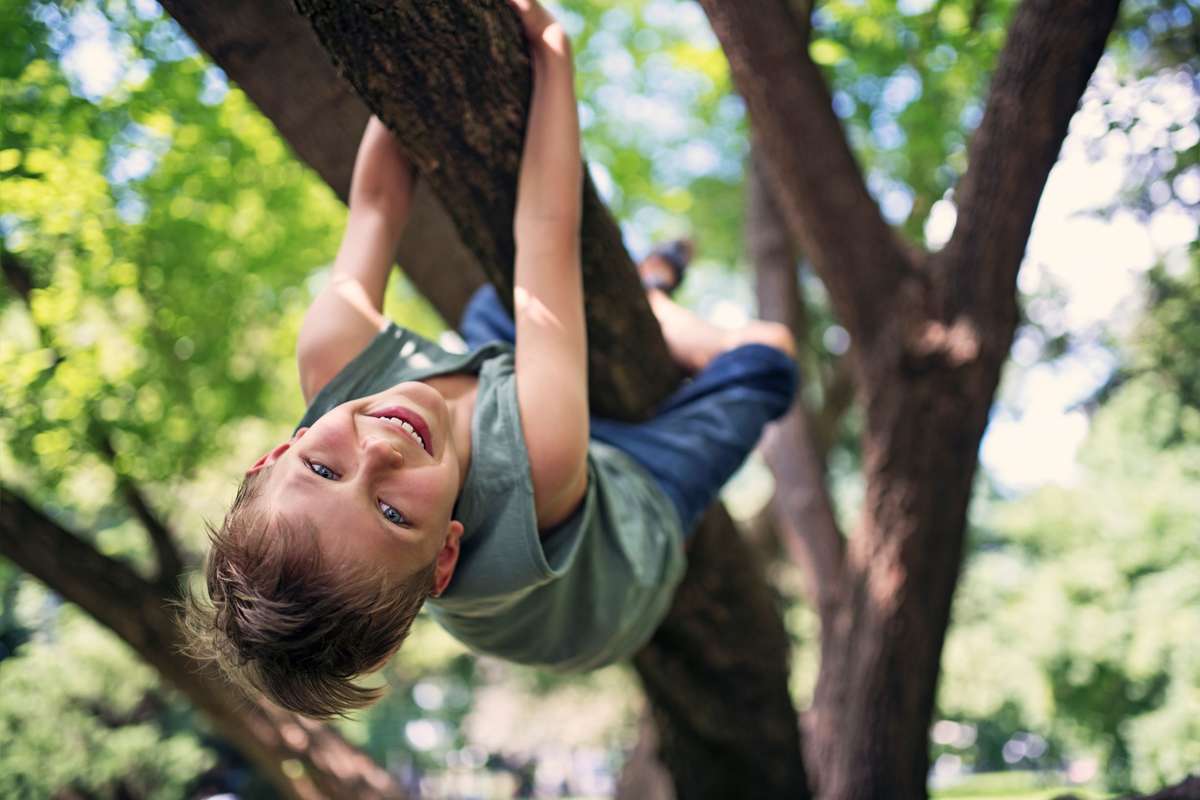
<point>930,334</point>
<point>452,80</point>
<point>304,759</point>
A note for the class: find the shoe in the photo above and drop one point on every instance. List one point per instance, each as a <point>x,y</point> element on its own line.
<point>676,255</point>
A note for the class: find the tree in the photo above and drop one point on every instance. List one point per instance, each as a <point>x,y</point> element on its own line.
<point>930,332</point>
<point>926,366</point>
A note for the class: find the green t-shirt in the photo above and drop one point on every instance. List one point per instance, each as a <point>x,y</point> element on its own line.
<point>588,594</point>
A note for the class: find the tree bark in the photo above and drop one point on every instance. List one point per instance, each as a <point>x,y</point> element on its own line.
<point>930,334</point>
<point>303,759</point>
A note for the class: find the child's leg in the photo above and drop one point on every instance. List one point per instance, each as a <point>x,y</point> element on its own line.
<point>695,342</point>
<point>700,436</point>
<point>697,439</point>
<point>692,341</point>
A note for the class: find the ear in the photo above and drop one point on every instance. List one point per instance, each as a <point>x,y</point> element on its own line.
<point>273,456</point>
<point>447,558</point>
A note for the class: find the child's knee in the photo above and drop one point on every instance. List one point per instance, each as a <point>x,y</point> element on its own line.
<point>772,334</point>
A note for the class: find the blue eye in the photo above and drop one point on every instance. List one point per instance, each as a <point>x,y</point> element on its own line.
<point>322,470</point>
<point>392,515</point>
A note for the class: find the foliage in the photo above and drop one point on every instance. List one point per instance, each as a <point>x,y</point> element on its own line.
<point>1170,339</point>
<point>157,222</point>
<point>173,240</point>
<point>1077,613</point>
<point>79,710</point>
<point>663,132</point>
<point>157,218</point>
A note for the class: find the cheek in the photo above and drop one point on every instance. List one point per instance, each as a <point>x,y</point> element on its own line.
<point>436,487</point>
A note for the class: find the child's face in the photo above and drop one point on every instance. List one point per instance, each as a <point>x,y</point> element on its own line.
<point>377,493</point>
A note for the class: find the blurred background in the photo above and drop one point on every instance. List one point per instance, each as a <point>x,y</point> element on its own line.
<point>160,244</point>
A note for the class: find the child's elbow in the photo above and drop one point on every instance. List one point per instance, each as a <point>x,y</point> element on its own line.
<point>559,481</point>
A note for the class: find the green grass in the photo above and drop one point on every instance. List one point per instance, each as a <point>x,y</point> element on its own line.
<point>1013,786</point>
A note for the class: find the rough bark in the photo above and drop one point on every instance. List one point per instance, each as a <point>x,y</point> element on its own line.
<point>716,675</point>
<point>930,335</point>
<point>303,759</point>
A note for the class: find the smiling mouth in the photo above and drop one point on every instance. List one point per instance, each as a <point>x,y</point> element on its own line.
<point>409,422</point>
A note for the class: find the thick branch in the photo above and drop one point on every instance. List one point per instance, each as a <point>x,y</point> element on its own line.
<point>816,181</point>
<point>716,675</point>
<point>453,81</point>
<point>803,508</point>
<point>1052,48</point>
<point>169,560</point>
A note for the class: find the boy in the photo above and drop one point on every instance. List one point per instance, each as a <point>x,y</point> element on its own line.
<point>476,479</point>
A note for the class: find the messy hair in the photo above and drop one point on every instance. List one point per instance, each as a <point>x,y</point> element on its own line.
<point>282,620</point>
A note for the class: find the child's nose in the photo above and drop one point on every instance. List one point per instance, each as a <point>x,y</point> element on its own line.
<point>379,452</point>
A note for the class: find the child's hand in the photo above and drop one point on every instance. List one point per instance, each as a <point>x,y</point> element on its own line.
<point>537,21</point>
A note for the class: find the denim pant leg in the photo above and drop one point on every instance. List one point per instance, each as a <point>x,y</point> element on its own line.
<point>485,319</point>
<point>704,431</point>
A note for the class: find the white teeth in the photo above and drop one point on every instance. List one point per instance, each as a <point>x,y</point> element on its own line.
<point>407,428</point>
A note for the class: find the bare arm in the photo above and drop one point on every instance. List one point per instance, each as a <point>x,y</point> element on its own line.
<point>551,351</point>
<point>348,312</point>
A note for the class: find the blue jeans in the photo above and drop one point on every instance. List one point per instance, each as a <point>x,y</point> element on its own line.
<point>702,433</point>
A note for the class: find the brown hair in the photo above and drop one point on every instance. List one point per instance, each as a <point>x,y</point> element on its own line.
<point>280,619</point>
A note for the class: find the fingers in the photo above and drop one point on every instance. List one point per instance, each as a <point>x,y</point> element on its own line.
<point>534,18</point>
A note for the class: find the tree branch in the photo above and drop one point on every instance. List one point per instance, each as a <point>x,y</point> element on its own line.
<point>169,561</point>
<point>1052,48</point>
<point>837,395</point>
<point>453,81</point>
<point>813,174</point>
<point>803,508</point>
